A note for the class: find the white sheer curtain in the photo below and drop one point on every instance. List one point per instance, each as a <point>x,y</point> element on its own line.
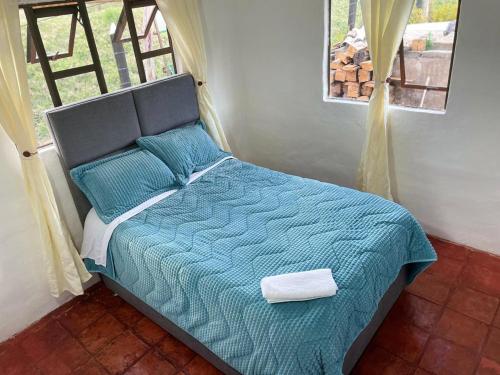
<point>385,22</point>
<point>184,24</point>
<point>64,267</point>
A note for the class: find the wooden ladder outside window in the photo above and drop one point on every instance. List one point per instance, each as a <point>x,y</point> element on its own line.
<point>79,13</point>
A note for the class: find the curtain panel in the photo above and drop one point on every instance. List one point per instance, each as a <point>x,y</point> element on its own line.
<point>65,269</point>
<point>183,21</point>
<point>385,22</point>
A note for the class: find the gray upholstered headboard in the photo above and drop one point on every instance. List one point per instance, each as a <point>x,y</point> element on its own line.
<point>108,124</point>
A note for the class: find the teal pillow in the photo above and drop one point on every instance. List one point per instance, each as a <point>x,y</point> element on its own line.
<point>118,183</point>
<point>185,150</point>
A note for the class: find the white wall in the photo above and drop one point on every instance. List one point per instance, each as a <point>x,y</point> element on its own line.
<point>265,61</point>
<point>24,290</point>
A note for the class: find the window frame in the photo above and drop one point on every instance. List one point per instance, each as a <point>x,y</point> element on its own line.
<point>78,10</point>
<point>401,81</point>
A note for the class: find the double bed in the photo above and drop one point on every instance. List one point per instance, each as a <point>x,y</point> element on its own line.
<point>193,261</point>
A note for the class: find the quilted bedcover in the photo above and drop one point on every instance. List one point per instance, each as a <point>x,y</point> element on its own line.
<point>198,256</point>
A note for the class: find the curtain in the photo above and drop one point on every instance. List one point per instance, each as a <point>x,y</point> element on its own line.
<point>183,21</point>
<point>385,22</point>
<point>63,264</point>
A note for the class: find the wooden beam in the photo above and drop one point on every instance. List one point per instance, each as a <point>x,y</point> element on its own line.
<point>122,22</point>
<point>42,55</point>
<point>72,33</point>
<point>151,20</point>
<point>120,27</point>
<point>49,3</point>
<point>92,46</point>
<point>141,3</point>
<point>74,71</point>
<point>32,15</point>
<point>173,54</point>
<point>127,6</point>
<point>156,52</point>
<point>55,11</point>
<point>31,50</point>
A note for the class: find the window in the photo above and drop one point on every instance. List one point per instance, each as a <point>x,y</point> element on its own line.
<point>66,47</point>
<point>422,68</point>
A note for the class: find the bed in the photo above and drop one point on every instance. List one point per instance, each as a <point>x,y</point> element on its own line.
<point>192,262</point>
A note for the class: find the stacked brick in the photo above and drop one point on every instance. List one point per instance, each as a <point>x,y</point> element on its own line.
<point>351,71</point>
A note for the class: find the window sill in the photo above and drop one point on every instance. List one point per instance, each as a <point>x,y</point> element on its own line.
<point>46,147</point>
<point>395,107</point>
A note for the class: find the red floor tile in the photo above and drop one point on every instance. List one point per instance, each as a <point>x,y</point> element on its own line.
<point>180,355</point>
<point>483,259</point>
<point>492,347</point>
<point>6,345</point>
<point>446,269</point>
<point>426,286</point>
<point>35,327</point>
<point>14,361</point>
<point>376,360</point>
<point>69,356</point>
<point>106,297</point>
<point>97,335</point>
<point>41,343</point>
<point>488,367</point>
<point>482,279</point>
<point>450,250</point>
<point>127,314</point>
<point>63,309</point>
<point>444,357</point>
<point>416,311</point>
<point>199,366</point>
<point>152,364</point>
<point>81,316</point>
<point>496,321</point>
<point>475,304</point>
<point>419,371</point>
<point>149,331</point>
<point>124,351</point>
<point>462,330</point>
<point>399,338</point>
<point>92,367</point>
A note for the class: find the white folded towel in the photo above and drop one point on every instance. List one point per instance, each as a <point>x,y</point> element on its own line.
<point>299,286</point>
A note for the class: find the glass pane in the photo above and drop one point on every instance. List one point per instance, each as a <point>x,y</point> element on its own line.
<point>428,46</point>
<point>117,58</point>
<point>417,98</point>
<point>341,12</point>
<point>82,86</point>
<point>157,37</point>
<point>347,50</point>
<point>159,67</point>
<point>428,42</point>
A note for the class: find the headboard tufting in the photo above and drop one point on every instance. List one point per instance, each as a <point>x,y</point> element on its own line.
<point>108,124</point>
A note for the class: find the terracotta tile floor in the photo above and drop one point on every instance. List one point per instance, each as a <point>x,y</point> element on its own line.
<point>447,322</point>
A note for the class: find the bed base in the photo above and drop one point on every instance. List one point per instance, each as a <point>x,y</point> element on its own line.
<point>350,360</point>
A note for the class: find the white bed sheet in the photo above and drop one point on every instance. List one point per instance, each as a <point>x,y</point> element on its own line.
<point>97,234</point>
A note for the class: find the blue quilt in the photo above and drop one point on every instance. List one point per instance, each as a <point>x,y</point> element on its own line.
<point>198,256</point>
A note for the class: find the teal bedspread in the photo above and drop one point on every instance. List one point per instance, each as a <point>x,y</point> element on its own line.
<point>198,256</point>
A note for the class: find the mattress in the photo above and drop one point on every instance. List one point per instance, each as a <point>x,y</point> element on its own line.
<point>197,257</point>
